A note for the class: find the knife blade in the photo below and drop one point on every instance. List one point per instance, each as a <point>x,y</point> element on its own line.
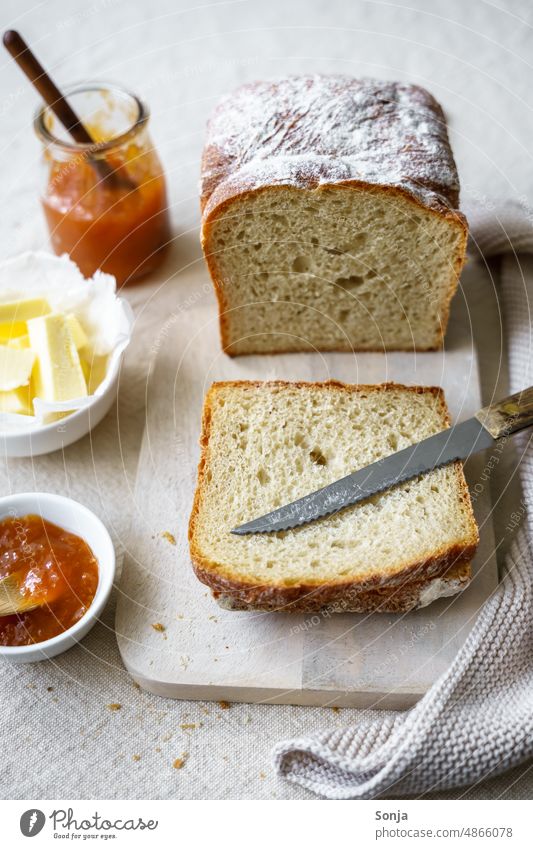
<point>455,443</point>
<point>497,421</point>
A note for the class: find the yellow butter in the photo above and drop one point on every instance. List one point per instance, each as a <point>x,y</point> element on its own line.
<point>57,375</point>
<point>18,401</point>
<point>11,330</point>
<point>95,369</point>
<point>22,310</point>
<point>15,367</point>
<point>78,333</point>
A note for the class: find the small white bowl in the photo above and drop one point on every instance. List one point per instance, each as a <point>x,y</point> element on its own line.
<point>77,519</point>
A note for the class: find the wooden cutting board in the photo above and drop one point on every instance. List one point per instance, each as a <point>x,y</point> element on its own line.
<point>204,652</point>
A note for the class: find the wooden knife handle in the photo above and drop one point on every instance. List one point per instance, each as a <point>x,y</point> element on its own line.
<point>507,416</point>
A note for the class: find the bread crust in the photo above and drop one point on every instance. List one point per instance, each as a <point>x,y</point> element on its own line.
<point>321,594</point>
<point>233,166</point>
<point>383,600</point>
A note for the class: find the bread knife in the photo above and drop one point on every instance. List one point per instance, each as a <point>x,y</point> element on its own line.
<point>491,425</point>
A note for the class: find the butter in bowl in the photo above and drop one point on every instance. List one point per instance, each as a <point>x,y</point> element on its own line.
<point>62,339</point>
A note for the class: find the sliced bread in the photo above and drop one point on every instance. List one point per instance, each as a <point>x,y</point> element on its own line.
<point>265,444</point>
<point>330,216</point>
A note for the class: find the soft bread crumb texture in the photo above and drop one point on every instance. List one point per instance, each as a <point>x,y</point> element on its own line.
<point>265,444</point>
<point>334,268</point>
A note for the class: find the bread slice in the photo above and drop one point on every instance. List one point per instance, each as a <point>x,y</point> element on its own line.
<point>329,216</point>
<point>265,444</point>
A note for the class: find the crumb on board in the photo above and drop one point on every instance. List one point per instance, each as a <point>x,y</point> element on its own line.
<point>180,762</point>
<point>169,537</point>
<point>157,626</point>
<point>114,706</point>
<point>136,757</point>
<point>223,705</point>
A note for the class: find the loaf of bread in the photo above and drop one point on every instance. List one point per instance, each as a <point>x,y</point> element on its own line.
<point>329,216</point>
<point>266,444</point>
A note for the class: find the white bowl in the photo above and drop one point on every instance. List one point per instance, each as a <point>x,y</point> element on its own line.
<point>57,435</point>
<point>77,519</point>
<point>108,320</point>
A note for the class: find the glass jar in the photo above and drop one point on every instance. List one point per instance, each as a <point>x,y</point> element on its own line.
<point>105,203</point>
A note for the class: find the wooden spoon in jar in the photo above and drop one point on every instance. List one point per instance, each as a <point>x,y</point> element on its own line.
<point>32,68</point>
<point>14,598</point>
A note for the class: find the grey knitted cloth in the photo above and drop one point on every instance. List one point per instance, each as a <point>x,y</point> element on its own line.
<point>477,719</point>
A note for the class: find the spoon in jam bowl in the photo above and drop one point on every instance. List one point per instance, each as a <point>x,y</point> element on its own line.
<point>17,595</point>
<point>57,566</point>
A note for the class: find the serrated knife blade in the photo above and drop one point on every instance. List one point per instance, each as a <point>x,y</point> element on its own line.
<point>455,443</point>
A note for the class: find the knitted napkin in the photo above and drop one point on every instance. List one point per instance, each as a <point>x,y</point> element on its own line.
<point>477,719</point>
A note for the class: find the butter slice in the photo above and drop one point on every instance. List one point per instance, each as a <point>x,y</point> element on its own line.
<point>19,342</point>
<point>23,310</point>
<point>15,367</point>
<point>78,333</point>
<point>57,375</point>
<point>17,401</point>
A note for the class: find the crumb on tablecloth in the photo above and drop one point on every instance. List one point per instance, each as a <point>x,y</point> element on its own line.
<point>180,762</point>
<point>136,757</point>
<point>114,706</point>
<point>169,537</point>
<point>224,705</point>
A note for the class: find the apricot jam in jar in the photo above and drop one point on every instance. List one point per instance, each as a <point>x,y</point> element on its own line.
<point>105,202</point>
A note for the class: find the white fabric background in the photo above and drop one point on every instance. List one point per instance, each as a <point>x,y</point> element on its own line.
<point>58,737</point>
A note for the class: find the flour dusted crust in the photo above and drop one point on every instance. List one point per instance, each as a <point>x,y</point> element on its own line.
<point>413,585</point>
<point>307,131</point>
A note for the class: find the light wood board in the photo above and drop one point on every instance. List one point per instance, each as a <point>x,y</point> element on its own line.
<point>204,652</point>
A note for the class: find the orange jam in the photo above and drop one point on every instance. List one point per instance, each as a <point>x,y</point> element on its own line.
<point>56,567</point>
<point>120,226</point>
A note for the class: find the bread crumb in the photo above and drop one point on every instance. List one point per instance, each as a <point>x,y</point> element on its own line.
<point>114,706</point>
<point>50,689</point>
<point>335,709</point>
<point>157,626</point>
<point>224,705</point>
<point>169,537</point>
<point>179,763</point>
<point>136,757</point>
<point>262,775</point>
<point>137,686</point>
<point>188,726</point>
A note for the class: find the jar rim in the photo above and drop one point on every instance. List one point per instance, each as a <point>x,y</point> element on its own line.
<point>92,148</point>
